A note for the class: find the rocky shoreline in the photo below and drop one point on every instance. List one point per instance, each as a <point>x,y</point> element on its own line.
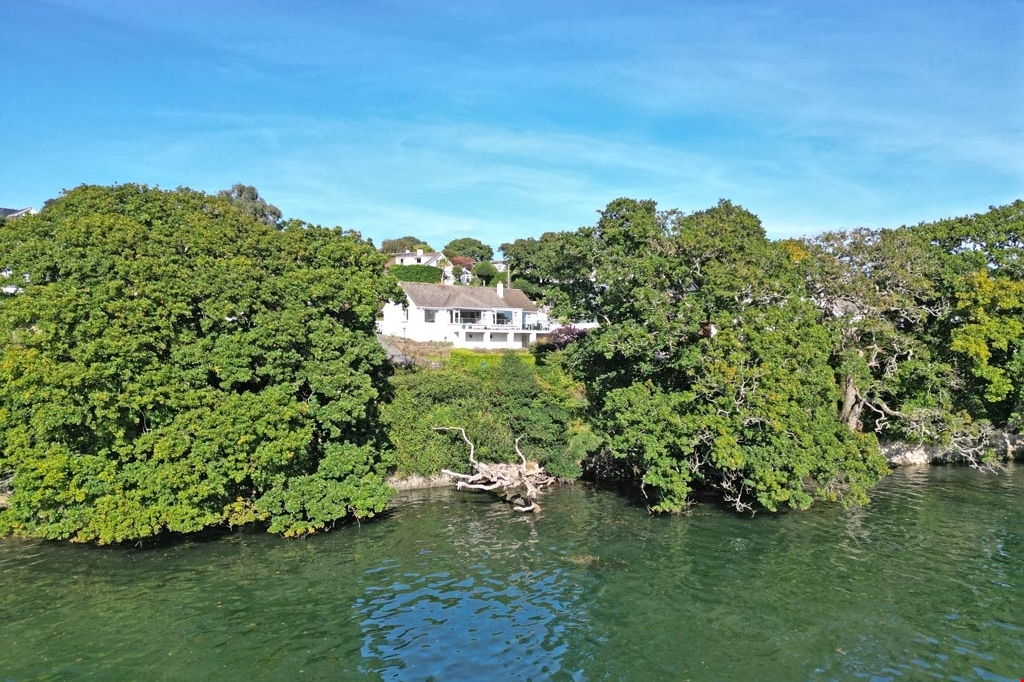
<point>1007,446</point>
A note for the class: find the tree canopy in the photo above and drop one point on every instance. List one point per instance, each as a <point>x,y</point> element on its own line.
<point>545,270</point>
<point>710,369</point>
<point>407,244</point>
<point>485,272</point>
<point>927,326</point>
<point>467,246</point>
<point>247,199</point>
<point>174,363</point>
<point>496,398</point>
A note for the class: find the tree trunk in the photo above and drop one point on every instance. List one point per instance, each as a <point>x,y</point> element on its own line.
<point>518,484</point>
<point>852,406</point>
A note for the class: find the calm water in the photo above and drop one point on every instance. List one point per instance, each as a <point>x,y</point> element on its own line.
<point>925,583</point>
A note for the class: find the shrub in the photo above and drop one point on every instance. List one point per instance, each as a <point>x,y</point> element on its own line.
<point>417,273</point>
<point>563,336</point>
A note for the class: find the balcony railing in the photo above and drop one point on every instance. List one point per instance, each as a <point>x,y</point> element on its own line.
<point>499,326</point>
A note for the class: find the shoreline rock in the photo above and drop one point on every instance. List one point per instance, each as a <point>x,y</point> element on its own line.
<point>415,482</point>
<point>1008,447</point>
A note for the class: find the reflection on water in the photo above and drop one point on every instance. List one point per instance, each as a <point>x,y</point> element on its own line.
<point>927,582</point>
<point>502,606</point>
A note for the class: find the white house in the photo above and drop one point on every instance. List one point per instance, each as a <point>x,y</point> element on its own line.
<point>417,257</point>
<point>12,213</point>
<point>434,259</point>
<point>466,317</point>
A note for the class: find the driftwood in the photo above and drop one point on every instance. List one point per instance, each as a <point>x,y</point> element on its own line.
<point>518,483</point>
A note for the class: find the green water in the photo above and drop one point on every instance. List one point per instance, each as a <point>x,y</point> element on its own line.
<point>925,583</point>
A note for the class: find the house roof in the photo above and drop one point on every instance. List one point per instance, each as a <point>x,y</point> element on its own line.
<point>15,212</point>
<point>473,298</point>
<point>428,258</point>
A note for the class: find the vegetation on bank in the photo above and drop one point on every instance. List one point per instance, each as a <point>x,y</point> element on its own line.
<point>496,398</point>
<point>173,361</point>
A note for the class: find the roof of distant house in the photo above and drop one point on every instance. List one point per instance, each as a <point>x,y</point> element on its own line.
<point>428,258</point>
<point>473,298</point>
<point>10,213</point>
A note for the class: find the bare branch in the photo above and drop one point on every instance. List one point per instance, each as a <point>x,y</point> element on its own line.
<point>518,481</point>
<point>461,430</point>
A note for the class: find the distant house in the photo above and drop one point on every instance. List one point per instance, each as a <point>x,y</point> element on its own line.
<point>418,257</point>
<point>6,273</point>
<point>12,213</point>
<point>466,317</point>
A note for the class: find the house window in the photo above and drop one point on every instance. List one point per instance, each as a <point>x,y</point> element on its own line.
<point>503,317</point>
<point>430,315</point>
<point>467,316</point>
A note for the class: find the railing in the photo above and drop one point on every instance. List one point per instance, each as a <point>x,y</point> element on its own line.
<point>487,325</point>
<point>501,326</point>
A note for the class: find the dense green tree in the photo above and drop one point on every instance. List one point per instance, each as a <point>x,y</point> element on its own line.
<point>468,246</point>
<point>710,368</point>
<point>541,268</point>
<point>878,291</point>
<point>926,326</point>
<point>173,365</point>
<point>983,284</point>
<point>485,272</point>
<point>247,199</point>
<point>407,244</point>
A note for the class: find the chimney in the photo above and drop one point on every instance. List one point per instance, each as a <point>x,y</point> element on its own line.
<point>419,252</point>
<point>501,290</point>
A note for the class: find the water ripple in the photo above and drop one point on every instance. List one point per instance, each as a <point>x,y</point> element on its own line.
<point>926,583</point>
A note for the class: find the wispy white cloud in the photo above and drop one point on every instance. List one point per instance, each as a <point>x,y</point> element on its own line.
<point>499,122</point>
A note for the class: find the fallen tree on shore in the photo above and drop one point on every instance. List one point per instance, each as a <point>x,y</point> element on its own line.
<point>518,483</point>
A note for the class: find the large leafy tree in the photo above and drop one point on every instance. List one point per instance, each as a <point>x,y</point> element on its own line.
<point>710,368</point>
<point>537,266</point>
<point>174,363</point>
<point>468,246</point>
<point>926,321</point>
<point>983,278</point>
<point>407,244</point>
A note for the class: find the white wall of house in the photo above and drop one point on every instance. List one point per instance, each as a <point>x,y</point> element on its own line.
<point>417,257</point>
<point>493,330</point>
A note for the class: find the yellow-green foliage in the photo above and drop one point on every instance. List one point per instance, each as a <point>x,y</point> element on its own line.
<point>993,312</point>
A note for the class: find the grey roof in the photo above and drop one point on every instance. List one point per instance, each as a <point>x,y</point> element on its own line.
<point>15,212</point>
<point>472,298</point>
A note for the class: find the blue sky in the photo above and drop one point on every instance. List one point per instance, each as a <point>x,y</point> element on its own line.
<point>501,120</point>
